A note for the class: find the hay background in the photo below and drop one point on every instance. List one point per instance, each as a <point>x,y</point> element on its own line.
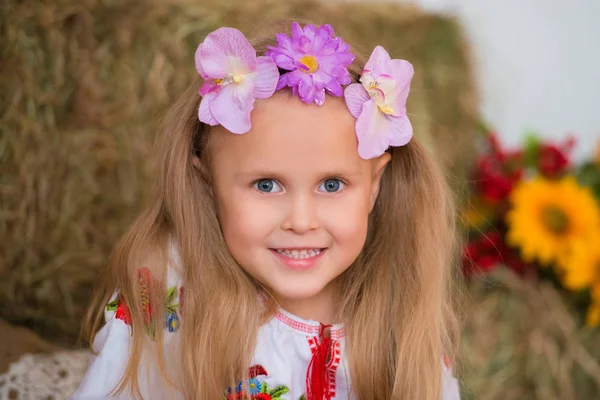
<point>84,85</point>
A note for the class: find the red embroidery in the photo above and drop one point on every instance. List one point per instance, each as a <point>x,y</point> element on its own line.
<point>122,312</point>
<point>257,370</point>
<point>335,334</point>
<point>320,375</point>
<point>447,362</point>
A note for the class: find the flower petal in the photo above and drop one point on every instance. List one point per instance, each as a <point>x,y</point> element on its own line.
<point>333,86</point>
<point>204,114</point>
<point>373,132</point>
<point>377,61</point>
<point>337,59</point>
<point>283,82</point>
<point>226,51</point>
<point>303,45</point>
<point>243,94</point>
<point>265,78</point>
<point>306,89</point>
<point>331,46</point>
<point>323,35</point>
<point>284,61</point>
<point>197,59</point>
<point>402,71</point>
<point>401,128</point>
<point>319,97</point>
<point>310,31</point>
<point>295,77</point>
<point>231,109</point>
<point>283,42</point>
<point>297,32</point>
<point>356,96</point>
<point>208,87</point>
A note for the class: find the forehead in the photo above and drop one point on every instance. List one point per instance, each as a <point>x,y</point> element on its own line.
<point>286,133</point>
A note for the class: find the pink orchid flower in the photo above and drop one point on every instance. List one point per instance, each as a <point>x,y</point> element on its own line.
<point>378,103</point>
<point>233,78</point>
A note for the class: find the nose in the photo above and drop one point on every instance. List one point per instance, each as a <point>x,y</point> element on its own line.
<point>302,214</point>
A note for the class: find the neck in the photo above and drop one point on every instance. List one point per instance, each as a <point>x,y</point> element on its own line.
<point>321,307</point>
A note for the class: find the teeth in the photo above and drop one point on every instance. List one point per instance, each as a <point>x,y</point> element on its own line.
<point>299,254</point>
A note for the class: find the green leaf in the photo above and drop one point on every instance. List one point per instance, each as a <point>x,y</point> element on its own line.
<point>531,149</point>
<point>303,397</point>
<point>171,294</point>
<point>278,391</point>
<point>264,387</point>
<point>482,128</point>
<point>112,306</point>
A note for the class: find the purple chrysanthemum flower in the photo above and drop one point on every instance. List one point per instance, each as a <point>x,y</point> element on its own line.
<point>316,60</point>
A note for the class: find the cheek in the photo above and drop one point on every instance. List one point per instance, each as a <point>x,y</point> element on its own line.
<point>347,222</point>
<point>244,221</point>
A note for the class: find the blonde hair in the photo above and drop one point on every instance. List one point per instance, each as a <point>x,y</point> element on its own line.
<point>398,308</point>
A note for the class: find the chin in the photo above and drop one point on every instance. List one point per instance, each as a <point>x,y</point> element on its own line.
<point>296,292</point>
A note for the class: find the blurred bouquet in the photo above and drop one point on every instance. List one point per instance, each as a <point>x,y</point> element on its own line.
<point>532,211</point>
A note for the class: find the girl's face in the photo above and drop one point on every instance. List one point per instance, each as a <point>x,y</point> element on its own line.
<point>294,196</point>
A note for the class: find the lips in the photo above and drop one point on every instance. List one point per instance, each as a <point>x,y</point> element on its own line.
<point>299,258</point>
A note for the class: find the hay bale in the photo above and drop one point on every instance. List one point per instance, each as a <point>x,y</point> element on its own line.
<point>84,85</point>
<point>521,341</point>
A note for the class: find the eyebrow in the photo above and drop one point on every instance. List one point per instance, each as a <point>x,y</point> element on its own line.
<point>276,175</point>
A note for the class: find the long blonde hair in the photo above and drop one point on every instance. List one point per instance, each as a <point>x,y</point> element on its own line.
<point>398,304</point>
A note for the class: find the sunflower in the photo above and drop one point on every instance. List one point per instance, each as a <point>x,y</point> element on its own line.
<point>579,268</point>
<point>548,216</point>
<point>593,312</point>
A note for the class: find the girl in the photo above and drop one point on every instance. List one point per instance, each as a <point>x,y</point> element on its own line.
<point>299,243</point>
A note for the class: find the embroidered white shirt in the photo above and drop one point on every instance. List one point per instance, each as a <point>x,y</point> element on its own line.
<point>284,348</point>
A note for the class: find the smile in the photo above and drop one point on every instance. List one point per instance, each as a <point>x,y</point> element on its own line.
<point>299,259</point>
<point>299,254</point>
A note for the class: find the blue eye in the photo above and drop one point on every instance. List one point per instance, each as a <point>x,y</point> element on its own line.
<point>331,185</point>
<point>267,186</point>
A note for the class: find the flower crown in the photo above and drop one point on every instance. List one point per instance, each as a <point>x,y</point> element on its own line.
<point>314,63</point>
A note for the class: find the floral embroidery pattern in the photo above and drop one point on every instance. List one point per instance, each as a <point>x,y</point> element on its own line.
<point>171,318</point>
<point>122,311</point>
<point>255,389</point>
<point>172,321</point>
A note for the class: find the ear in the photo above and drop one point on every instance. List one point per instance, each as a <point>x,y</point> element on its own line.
<point>196,163</point>
<point>379,165</point>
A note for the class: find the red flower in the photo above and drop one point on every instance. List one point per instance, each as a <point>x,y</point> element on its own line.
<point>553,160</point>
<point>511,259</point>
<point>262,396</point>
<point>489,251</point>
<point>498,171</point>
<point>123,313</point>
<point>482,254</point>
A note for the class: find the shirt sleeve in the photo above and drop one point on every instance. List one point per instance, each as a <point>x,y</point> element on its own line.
<point>450,386</point>
<point>112,346</point>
